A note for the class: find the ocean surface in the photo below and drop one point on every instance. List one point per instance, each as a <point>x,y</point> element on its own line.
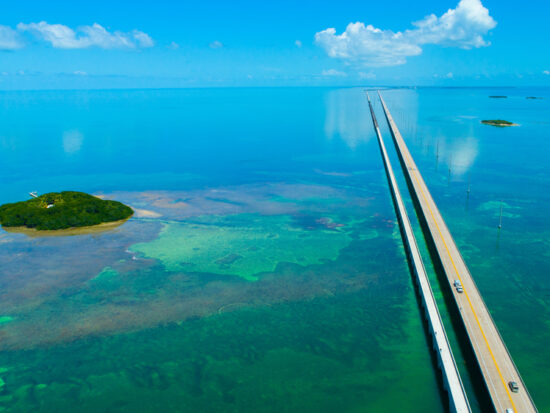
<point>263,270</point>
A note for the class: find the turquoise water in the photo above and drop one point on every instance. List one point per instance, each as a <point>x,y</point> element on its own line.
<point>263,270</point>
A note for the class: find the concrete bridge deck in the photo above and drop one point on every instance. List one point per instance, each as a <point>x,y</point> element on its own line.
<point>458,401</point>
<point>494,360</point>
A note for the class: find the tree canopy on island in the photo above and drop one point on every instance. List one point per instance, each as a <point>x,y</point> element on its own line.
<point>498,122</point>
<point>62,210</point>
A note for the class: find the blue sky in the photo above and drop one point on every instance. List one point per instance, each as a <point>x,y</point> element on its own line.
<point>104,44</point>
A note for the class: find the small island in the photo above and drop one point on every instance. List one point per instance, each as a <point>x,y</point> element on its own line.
<point>533,97</point>
<point>498,122</point>
<point>498,97</point>
<point>62,210</point>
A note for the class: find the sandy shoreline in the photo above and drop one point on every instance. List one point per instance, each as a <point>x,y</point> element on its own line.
<point>31,232</point>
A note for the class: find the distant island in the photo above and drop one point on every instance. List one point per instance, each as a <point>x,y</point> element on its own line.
<point>498,97</point>
<point>498,122</point>
<point>62,210</point>
<point>533,97</point>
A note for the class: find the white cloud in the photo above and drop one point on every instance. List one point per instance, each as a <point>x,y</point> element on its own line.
<point>9,39</point>
<point>63,37</point>
<point>173,46</point>
<point>447,76</point>
<point>367,45</point>
<point>369,75</point>
<point>462,27</point>
<point>80,73</point>
<point>333,72</point>
<point>143,39</point>
<point>216,44</point>
<point>546,72</point>
<point>298,43</point>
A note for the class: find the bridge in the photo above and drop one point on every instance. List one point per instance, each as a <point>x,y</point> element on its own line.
<point>458,401</point>
<point>505,386</point>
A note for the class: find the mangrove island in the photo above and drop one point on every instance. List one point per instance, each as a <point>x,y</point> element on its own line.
<point>498,122</point>
<point>62,210</point>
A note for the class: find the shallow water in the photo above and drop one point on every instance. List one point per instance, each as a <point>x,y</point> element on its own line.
<point>264,269</point>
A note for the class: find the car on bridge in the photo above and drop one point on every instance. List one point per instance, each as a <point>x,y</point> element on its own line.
<point>458,286</point>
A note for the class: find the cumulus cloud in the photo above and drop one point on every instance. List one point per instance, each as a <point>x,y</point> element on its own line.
<point>9,39</point>
<point>367,44</point>
<point>216,44</point>
<point>143,39</point>
<point>334,73</point>
<point>447,76</point>
<point>369,75</point>
<point>298,43</point>
<point>63,37</point>
<point>546,72</point>
<point>463,27</point>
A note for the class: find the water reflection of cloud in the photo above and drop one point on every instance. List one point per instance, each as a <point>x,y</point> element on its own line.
<point>464,152</point>
<point>72,141</point>
<point>404,106</point>
<point>347,117</point>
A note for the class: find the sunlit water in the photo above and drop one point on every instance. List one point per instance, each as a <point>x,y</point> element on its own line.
<point>263,269</point>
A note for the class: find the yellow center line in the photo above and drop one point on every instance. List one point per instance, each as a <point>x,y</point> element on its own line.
<point>406,152</point>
